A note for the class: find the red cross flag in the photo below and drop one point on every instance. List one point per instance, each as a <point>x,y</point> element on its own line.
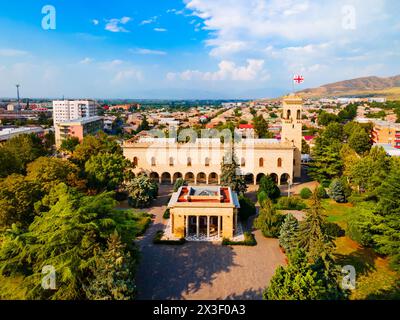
<point>298,79</point>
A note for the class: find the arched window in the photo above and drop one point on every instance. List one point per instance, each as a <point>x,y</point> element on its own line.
<point>171,162</point>
<point>261,162</point>
<point>189,162</point>
<point>243,162</point>
<point>288,115</point>
<point>135,161</point>
<point>298,115</point>
<point>153,162</point>
<point>279,163</point>
<point>207,162</point>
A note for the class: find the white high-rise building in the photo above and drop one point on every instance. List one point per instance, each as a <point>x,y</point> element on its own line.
<point>67,110</point>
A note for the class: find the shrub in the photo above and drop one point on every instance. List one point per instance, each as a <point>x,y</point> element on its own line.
<point>268,185</point>
<point>321,192</point>
<point>166,214</point>
<point>262,197</point>
<point>142,191</point>
<point>360,225</point>
<point>333,230</point>
<point>305,193</point>
<point>290,203</point>
<point>180,182</point>
<point>249,240</point>
<point>158,239</point>
<point>338,191</point>
<point>247,208</point>
<point>288,233</point>
<point>268,221</point>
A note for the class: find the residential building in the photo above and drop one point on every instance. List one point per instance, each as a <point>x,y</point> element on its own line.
<point>78,128</point>
<point>66,110</point>
<point>8,133</point>
<point>385,132</point>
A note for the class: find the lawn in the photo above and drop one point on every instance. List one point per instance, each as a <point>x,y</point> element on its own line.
<point>375,279</point>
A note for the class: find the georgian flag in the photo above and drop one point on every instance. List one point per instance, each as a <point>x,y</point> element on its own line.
<point>298,79</point>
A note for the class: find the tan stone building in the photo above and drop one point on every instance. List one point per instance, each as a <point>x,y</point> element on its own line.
<point>199,161</point>
<point>207,213</point>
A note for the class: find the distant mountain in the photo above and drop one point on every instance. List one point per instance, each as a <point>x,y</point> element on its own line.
<point>366,86</point>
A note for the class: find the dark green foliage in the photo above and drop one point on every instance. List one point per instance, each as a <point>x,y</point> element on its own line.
<point>17,198</point>
<point>360,226</point>
<point>268,220</point>
<point>290,203</point>
<point>268,185</point>
<point>301,280</point>
<point>305,148</point>
<point>261,127</point>
<point>333,230</point>
<point>387,227</point>
<point>348,113</point>
<point>166,214</point>
<point>325,118</point>
<point>305,193</point>
<point>247,208</point>
<point>17,152</point>
<point>288,233</point>
<point>142,191</point>
<point>113,277</point>
<point>106,171</point>
<point>180,182</point>
<point>338,191</point>
<point>69,144</point>
<point>230,174</point>
<point>321,192</point>
<point>360,141</point>
<point>158,239</point>
<point>311,233</point>
<point>249,241</point>
<point>68,237</point>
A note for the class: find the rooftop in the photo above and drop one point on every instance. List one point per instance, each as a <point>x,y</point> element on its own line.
<point>80,121</point>
<point>204,196</point>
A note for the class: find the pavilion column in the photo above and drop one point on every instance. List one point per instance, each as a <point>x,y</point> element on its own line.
<point>187,226</point>
<point>219,226</point>
<point>198,225</point>
<point>208,226</point>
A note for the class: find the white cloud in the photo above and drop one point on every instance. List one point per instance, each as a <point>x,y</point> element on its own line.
<point>160,30</point>
<point>149,21</point>
<point>227,70</point>
<point>115,25</point>
<point>95,22</point>
<point>86,61</point>
<point>12,53</point>
<point>148,51</point>
<point>126,75</point>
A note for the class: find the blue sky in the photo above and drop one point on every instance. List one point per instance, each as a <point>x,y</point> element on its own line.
<point>193,48</point>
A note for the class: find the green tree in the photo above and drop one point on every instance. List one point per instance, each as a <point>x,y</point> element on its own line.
<point>288,233</point>
<point>180,182</point>
<point>360,141</point>
<point>93,145</point>
<point>230,176</point>
<point>17,198</point>
<point>49,172</point>
<point>325,118</point>
<point>113,278</point>
<point>69,144</point>
<point>339,191</point>
<point>68,237</point>
<point>305,147</point>
<point>247,208</point>
<point>268,220</point>
<point>22,150</point>
<point>311,233</point>
<point>106,171</point>
<point>268,185</point>
<point>142,191</point>
<point>387,228</point>
<point>261,127</point>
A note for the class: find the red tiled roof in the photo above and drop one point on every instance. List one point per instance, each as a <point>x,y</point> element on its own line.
<point>308,138</point>
<point>246,126</point>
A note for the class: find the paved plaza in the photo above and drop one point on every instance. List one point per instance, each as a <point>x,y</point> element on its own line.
<point>203,270</point>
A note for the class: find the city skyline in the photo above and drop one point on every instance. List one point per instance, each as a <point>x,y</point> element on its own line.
<point>193,49</point>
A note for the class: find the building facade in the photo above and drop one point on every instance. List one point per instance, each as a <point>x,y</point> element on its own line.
<point>208,213</point>
<point>385,132</point>
<point>66,110</point>
<point>199,161</point>
<point>78,128</point>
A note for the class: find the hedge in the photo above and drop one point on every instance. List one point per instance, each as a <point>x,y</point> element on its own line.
<point>160,234</point>
<point>249,240</point>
